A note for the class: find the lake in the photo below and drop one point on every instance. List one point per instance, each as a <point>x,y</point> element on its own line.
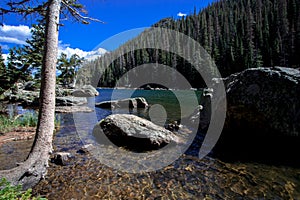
<point>168,99</point>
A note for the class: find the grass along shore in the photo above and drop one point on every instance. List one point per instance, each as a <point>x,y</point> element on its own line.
<point>20,127</point>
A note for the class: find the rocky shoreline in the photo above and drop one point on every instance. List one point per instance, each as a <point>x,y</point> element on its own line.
<point>67,100</point>
<point>256,130</point>
<point>20,133</point>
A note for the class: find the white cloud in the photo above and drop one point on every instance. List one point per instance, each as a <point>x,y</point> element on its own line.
<point>88,55</point>
<point>14,34</point>
<point>11,40</point>
<point>180,14</point>
<point>19,34</point>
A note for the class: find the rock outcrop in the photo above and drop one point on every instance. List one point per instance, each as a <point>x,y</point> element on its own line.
<point>137,102</point>
<point>25,97</point>
<point>263,113</point>
<point>133,133</point>
<point>264,99</point>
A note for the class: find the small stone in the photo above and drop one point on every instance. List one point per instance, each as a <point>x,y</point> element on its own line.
<point>84,149</point>
<point>61,158</point>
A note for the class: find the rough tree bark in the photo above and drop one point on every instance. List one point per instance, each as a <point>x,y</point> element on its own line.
<point>34,168</point>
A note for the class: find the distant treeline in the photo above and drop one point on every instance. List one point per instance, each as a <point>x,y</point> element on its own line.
<point>238,34</point>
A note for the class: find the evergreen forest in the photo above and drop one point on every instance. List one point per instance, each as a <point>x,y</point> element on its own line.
<point>238,34</point>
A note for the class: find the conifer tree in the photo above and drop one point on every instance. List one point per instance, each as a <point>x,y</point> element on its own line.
<point>34,168</point>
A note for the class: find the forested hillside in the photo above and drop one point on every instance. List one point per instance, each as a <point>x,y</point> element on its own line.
<point>238,34</point>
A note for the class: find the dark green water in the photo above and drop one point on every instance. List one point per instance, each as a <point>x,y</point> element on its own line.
<point>176,103</point>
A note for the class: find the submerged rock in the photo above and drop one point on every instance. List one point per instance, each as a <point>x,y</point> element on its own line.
<point>133,133</point>
<point>137,102</point>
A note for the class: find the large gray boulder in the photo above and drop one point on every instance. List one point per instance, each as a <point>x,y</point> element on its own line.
<point>137,102</point>
<point>263,115</point>
<point>85,91</point>
<point>264,99</point>
<point>133,133</point>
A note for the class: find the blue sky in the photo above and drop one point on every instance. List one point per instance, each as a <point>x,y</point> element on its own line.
<point>118,15</point>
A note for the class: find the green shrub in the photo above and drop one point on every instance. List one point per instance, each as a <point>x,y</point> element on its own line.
<point>8,124</point>
<point>28,120</point>
<point>10,192</point>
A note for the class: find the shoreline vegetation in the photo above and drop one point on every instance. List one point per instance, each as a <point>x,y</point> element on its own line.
<point>10,192</point>
<point>20,127</point>
<point>8,124</point>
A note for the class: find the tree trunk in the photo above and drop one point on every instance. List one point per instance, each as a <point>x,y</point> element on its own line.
<point>34,168</point>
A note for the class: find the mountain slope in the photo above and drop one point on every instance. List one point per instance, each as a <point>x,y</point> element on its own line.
<point>238,34</point>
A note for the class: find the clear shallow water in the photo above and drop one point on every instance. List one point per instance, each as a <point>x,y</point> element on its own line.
<point>187,178</point>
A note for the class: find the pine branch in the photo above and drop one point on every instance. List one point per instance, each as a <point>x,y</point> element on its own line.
<point>11,4</point>
<point>17,7</point>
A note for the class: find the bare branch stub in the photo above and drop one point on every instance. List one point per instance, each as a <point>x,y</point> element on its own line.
<point>76,9</point>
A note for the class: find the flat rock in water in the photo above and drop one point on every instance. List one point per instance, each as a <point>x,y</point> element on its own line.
<point>133,133</point>
<point>72,109</point>
<point>137,102</point>
<point>70,101</point>
<point>85,91</point>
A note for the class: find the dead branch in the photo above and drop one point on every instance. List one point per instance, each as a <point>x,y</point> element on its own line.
<point>77,16</point>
